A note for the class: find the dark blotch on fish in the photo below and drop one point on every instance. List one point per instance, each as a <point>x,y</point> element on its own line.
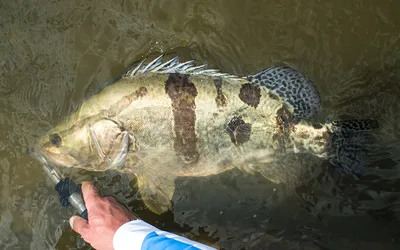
<point>317,125</point>
<point>183,93</point>
<point>286,124</point>
<point>221,98</point>
<point>239,131</point>
<point>285,120</point>
<point>141,92</point>
<point>250,94</point>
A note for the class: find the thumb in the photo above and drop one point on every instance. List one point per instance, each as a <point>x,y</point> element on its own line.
<point>79,225</point>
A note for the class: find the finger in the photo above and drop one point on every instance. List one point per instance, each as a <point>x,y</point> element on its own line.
<point>79,225</point>
<point>90,195</point>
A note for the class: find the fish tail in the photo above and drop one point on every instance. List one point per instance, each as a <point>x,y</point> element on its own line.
<point>350,140</point>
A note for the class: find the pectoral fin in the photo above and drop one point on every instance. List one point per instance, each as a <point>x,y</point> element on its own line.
<point>156,193</point>
<point>155,177</point>
<point>96,143</point>
<point>120,150</point>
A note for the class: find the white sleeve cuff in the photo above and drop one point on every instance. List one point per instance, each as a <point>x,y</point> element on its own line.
<point>131,235</point>
<point>139,235</point>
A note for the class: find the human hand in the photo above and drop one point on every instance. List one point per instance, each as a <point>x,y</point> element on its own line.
<point>106,215</point>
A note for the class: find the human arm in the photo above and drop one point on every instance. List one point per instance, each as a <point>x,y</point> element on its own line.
<point>112,226</point>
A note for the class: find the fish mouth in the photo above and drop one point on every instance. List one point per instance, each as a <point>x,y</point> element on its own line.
<point>46,157</point>
<point>36,155</point>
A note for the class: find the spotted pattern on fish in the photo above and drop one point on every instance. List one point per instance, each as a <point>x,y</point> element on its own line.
<point>293,87</point>
<point>182,93</point>
<point>354,125</point>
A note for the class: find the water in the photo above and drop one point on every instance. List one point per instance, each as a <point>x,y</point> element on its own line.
<point>53,52</point>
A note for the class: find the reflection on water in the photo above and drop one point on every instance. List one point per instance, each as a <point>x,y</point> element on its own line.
<point>52,52</point>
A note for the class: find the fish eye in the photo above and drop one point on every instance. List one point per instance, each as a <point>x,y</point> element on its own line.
<point>55,139</point>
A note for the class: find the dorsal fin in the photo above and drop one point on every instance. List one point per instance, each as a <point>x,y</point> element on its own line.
<point>174,66</point>
<point>296,90</point>
<point>293,87</point>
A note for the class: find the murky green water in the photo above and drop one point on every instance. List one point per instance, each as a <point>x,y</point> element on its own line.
<point>53,52</point>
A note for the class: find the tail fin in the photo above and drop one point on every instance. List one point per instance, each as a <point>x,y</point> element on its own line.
<point>349,145</point>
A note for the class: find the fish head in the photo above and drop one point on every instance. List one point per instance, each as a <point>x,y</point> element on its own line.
<point>88,143</point>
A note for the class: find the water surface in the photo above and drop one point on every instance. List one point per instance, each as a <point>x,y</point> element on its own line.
<point>52,53</point>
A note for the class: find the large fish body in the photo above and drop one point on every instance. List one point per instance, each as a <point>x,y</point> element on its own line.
<point>164,120</point>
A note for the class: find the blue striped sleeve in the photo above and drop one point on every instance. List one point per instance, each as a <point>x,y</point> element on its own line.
<point>155,241</point>
<point>139,235</point>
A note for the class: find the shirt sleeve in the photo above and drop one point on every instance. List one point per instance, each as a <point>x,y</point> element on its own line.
<point>139,235</point>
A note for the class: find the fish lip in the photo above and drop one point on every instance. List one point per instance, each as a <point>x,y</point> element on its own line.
<point>41,155</point>
<point>33,152</point>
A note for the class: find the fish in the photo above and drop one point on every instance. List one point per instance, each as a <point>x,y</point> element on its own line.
<point>166,119</point>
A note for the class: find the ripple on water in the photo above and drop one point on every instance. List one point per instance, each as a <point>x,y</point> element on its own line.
<point>53,52</point>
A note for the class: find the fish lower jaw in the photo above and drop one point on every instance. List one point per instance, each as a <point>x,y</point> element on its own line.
<point>55,159</point>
